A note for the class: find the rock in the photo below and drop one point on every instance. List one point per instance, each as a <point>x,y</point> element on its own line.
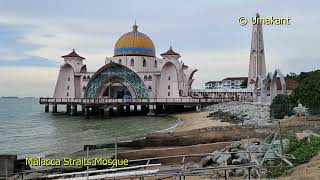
<point>235,145</point>
<point>243,112</point>
<point>285,144</point>
<point>224,158</point>
<point>237,172</point>
<point>206,161</point>
<point>236,161</point>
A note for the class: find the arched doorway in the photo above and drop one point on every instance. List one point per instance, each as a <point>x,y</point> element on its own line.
<point>119,78</point>
<point>115,88</point>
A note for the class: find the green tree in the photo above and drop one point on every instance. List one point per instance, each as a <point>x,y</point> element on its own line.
<point>281,106</point>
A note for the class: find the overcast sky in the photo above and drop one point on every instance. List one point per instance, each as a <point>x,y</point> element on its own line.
<point>34,34</point>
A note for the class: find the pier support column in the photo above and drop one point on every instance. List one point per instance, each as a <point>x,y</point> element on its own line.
<point>198,108</point>
<point>46,108</point>
<point>87,112</point>
<point>151,111</point>
<point>159,109</point>
<point>128,109</point>
<point>144,109</point>
<point>68,108</point>
<point>54,108</point>
<point>106,113</point>
<point>74,110</point>
<point>111,111</point>
<point>135,108</point>
<point>120,109</point>
<point>83,109</point>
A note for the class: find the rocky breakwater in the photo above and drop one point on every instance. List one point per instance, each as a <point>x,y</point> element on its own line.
<point>241,113</point>
<point>242,154</point>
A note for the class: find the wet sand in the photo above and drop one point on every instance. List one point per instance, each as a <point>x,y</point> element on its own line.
<point>197,120</point>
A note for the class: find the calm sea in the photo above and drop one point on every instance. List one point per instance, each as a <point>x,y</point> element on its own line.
<point>26,130</point>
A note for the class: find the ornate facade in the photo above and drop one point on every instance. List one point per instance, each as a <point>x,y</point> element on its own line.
<point>133,72</point>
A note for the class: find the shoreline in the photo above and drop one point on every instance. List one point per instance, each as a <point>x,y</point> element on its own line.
<point>197,120</point>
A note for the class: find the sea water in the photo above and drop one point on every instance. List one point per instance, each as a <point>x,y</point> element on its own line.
<point>26,130</point>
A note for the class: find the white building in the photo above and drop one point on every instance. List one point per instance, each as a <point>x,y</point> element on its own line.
<point>134,71</point>
<point>227,83</point>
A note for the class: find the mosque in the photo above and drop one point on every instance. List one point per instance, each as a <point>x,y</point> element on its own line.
<point>134,71</point>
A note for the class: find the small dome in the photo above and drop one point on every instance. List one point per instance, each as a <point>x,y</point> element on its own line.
<point>134,43</point>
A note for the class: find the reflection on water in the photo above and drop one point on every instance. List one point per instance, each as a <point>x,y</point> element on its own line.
<point>26,130</point>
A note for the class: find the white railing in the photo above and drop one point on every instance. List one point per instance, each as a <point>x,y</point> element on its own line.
<point>133,100</point>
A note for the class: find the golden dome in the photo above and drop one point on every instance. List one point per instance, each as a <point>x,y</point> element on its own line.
<point>134,43</point>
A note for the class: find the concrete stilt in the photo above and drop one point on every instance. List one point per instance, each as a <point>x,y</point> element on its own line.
<point>135,108</point>
<point>120,109</point>
<point>83,109</point>
<point>151,111</point>
<point>128,109</point>
<point>87,112</point>
<point>144,109</point>
<point>74,110</point>
<point>159,109</point>
<point>68,108</point>
<point>198,108</point>
<point>101,112</point>
<point>106,112</point>
<point>46,108</point>
<point>54,108</point>
<point>111,111</point>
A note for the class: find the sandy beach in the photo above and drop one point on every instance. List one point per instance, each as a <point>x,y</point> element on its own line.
<point>197,120</point>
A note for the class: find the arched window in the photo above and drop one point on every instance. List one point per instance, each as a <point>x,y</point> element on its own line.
<point>84,78</point>
<point>67,94</point>
<point>168,93</point>
<point>149,78</point>
<point>119,61</point>
<point>88,77</point>
<point>68,87</point>
<point>155,64</point>
<point>149,88</point>
<point>84,88</point>
<point>132,62</point>
<point>144,63</point>
<point>68,78</point>
<point>169,78</point>
<point>168,86</point>
<point>145,77</point>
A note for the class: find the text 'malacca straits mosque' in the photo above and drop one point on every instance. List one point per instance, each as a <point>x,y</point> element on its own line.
<point>133,72</point>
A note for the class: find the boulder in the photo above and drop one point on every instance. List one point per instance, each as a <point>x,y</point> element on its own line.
<point>206,161</point>
<point>224,158</point>
<point>237,172</point>
<point>236,161</point>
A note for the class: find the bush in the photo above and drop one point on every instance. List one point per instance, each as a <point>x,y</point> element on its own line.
<point>281,106</point>
<point>302,150</point>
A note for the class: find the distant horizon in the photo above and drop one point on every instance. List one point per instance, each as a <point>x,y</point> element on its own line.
<point>207,35</point>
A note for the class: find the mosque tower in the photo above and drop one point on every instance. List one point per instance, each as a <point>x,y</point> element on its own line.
<point>257,66</point>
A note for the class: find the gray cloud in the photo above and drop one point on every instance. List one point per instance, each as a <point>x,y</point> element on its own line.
<point>205,33</point>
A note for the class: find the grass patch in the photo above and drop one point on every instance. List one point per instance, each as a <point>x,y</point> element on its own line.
<point>302,150</point>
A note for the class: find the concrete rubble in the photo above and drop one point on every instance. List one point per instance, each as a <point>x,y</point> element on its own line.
<point>234,154</point>
<point>244,112</point>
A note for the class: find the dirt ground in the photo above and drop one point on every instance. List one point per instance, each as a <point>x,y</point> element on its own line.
<point>197,120</point>
<point>308,171</point>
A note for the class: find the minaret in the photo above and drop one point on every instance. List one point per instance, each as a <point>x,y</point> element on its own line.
<point>257,64</point>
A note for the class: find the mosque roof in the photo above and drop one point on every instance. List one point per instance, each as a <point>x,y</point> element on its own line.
<point>170,52</point>
<point>73,54</point>
<point>134,43</point>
